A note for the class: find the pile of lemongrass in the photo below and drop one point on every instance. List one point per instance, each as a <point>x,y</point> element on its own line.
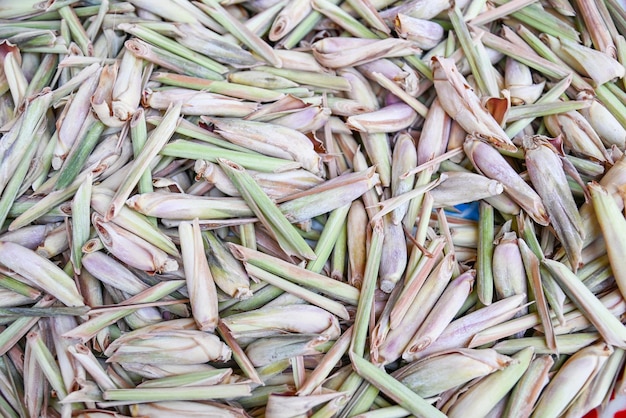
<point>255,208</point>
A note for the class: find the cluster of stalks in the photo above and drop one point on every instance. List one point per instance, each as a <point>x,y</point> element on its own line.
<point>254,208</point>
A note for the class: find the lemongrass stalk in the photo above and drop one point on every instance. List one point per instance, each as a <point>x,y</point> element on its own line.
<point>565,344</point>
<point>612,102</point>
<point>77,30</point>
<point>155,142</point>
<point>21,326</point>
<point>265,351</point>
<point>311,297</point>
<point>475,56</point>
<point>240,31</point>
<point>543,109</point>
<point>87,330</point>
<point>443,312</point>
<point>392,388</point>
<point>188,207</point>
<point>18,287</point>
<point>332,229</point>
<point>575,374</point>
<point>484,272</point>
<point>43,75</point>
<point>497,385</point>
<point>296,274</point>
<point>343,19</point>
<point>499,12</point>
<point>172,46</point>
<point>200,284</point>
<point>288,238</point>
<point>238,354</point>
<point>80,222</point>
<point>77,157</point>
<point>187,149</point>
<point>593,309</point>
<point>366,297</point>
<point>441,372</point>
<point>133,222</point>
<point>303,28</point>
<point>138,395</point>
<point>349,386</point>
<point>310,78</point>
<point>415,104</point>
<point>168,60</point>
<point>46,361</point>
<point>535,17</point>
<point>231,89</point>
<point>139,135</point>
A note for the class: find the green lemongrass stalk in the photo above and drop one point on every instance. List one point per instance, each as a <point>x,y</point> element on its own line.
<point>172,46</point>
<point>303,28</point>
<point>21,326</point>
<point>331,306</point>
<point>46,361</point>
<point>81,224</point>
<point>404,158</point>
<point>18,287</point>
<point>476,56</point>
<point>339,255</point>
<point>366,297</point>
<point>441,372</point>
<point>368,12</point>
<point>200,378</point>
<point>497,385</point>
<point>199,393</point>
<point>155,142</point>
<point>87,330</point>
<point>262,293</point>
<point>390,85</point>
<point>269,139</point>
<point>268,213</point>
<point>543,109</point>
<point>499,12</point>
<point>349,386</point>
<point>139,135</point>
<point>605,322</point>
<point>188,149</point>
<point>343,19</point>
<point>169,60</point>
<point>535,17</point>
<point>296,274</point>
<point>533,274</point>
<point>200,284</point>
<point>328,363</point>
<point>78,156</point>
<point>228,273</point>
<point>240,31</point>
<point>77,30</point>
<point>43,75</point>
<point>394,389</point>
<point>575,374</point>
<point>484,271</point>
<point>327,241</point>
<point>325,81</point>
<point>612,102</point>
<point>231,89</point>
<point>361,401</point>
<point>565,344</point>
<point>238,354</point>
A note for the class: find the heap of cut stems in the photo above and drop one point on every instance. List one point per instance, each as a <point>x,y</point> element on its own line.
<point>312,208</point>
